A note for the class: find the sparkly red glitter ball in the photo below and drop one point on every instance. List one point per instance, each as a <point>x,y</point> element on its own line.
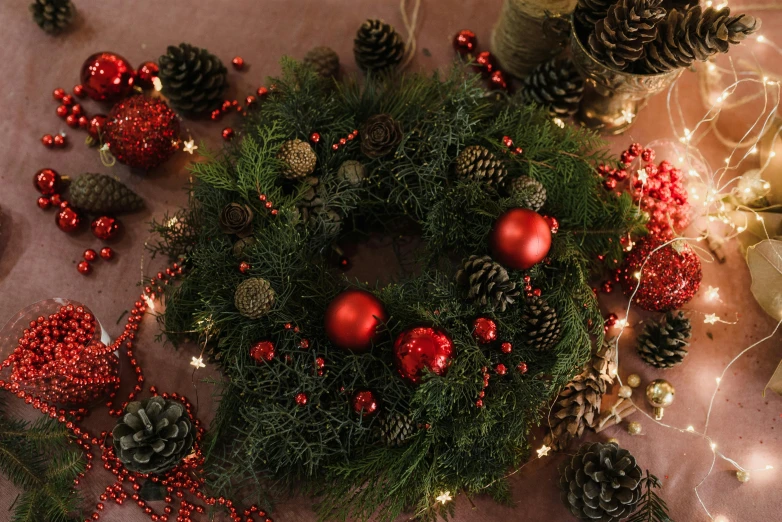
<point>107,77</point>
<point>142,132</point>
<point>107,253</point>
<point>90,255</point>
<point>301,399</point>
<point>44,203</point>
<point>506,347</point>
<point>422,347</point>
<point>670,278</point>
<point>228,133</point>
<point>484,330</point>
<point>47,182</point>
<point>68,219</point>
<point>97,124</point>
<point>364,402</point>
<point>84,268</point>
<point>146,74</point>
<point>262,351</point>
<point>47,140</point>
<point>238,63</point>
<point>465,42</point>
<point>501,369</point>
<point>106,228</point>
<point>352,318</point>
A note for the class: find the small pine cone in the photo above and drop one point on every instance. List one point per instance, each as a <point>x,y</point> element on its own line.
<point>541,323</point>
<point>664,344</point>
<point>477,163</point>
<point>377,46</point>
<point>238,250</point>
<point>254,297</point>
<point>311,200</point>
<point>102,194</point>
<point>299,158</point>
<point>324,61</point>
<point>556,85</point>
<point>487,282</point>
<point>588,12</point>
<point>53,16</point>
<point>352,172</point>
<point>618,39</point>
<point>530,192</point>
<point>193,79</point>
<point>395,429</point>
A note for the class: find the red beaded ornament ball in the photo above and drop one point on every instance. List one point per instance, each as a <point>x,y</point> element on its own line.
<point>422,347</point>
<point>142,132</point>
<point>47,182</point>
<point>107,77</point>
<point>262,351</point>
<point>484,330</point>
<point>68,220</point>
<point>520,238</point>
<point>301,399</point>
<point>352,318</point>
<point>105,228</point>
<point>364,402</point>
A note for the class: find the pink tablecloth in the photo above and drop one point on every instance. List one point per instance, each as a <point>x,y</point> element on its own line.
<point>38,261</point>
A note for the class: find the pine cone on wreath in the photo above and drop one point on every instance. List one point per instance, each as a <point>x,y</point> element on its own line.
<point>664,344</point>
<point>193,79</point>
<point>601,483</point>
<point>542,328</point>
<point>153,436</point>
<point>395,429</point>
<point>477,163</point>
<point>487,282</point>
<point>556,85</point>
<point>298,157</point>
<point>618,40</point>
<point>377,46</point>
<point>53,16</point>
<point>254,297</point>
<point>578,405</point>
<point>352,172</point>
<point>530,192</point>
<point>102,194</point>
<point>312,206</point>
<point>589,12</point>
<point>324,61</point>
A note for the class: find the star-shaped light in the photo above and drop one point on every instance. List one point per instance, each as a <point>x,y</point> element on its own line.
<point>642,175</point>
<point>711,319</point>
<point>543,451</point>
<point>713,294</point>
<point>157,84</point>
<point>444,497</point>
<point>189,146</point>
<point>628,115</point>
<point>198,362</point>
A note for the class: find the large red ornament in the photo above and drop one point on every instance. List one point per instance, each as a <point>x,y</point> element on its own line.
<point>422,347</point>
<point>364,402</point>
<point>142,132</point>
<point>68,220</point>
<point>668,280</point>
<point>262,351</point>
<point>107,77</point>
<point>105,228</point>
<point>47,182</point>
<point>352,318</point>
<point>520,238</point>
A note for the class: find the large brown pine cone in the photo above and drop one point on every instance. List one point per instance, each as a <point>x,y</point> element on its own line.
<point>380,135</point>
<point>53,16</point>
<point>542,328</point>
<point>664,344</point>
<point>102,194</point>
<point>556,85</point>
<point>589,12</point>
<point>618,39</point>
<point>193,79</point>
<point>377,46</point>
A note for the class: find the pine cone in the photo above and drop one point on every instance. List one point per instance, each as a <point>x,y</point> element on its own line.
<point>394,429</point>
<point>380,135</point>
<point>153,436</point>
<point>352,172</point>
<point>53,16</point>
<point>237,219</point>
<point>299,158</point>
<point>578,404</point>
<point>311,201</point>
<point>324,61</point>
<point>664,344</point>
<point>102,194</point>
<point>487,282</point>
<point>254,297</point>
<point>695,34</point>
<point>193,79</point>
<point>238,249</point>
<point>377,46</point>
<point>556,85</point>
<point>589,12</point>
<point>618,39</point>
<point>530,192</point>
<point>477,163</point>
<point>601,483</point>
<point>541,323</point>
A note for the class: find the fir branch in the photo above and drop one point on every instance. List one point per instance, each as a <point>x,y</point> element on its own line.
<point>652,507</point>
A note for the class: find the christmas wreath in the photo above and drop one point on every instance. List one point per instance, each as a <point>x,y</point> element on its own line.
<point>379,400</point>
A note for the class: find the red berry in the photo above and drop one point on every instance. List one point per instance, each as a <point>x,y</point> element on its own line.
<point>67,99</point>
<point>522,368</point>
<point>238,63</point>
<point>228,134</point>
<point>226,106</point>
<point>107,253</point>
<point>47,140</point>
<point>72,120</point>
<point>315,138</point>
<point>59,141</point>
<point>78,90</point>
<point>58,93</point>
<point>627,157</point>
<point>44,203</point>
<point>501,369</point>
<point>90,255</point>
<point>244,267</point>
<point>97,124</point>
<point>262,92</point>
<point>47,181</point>
<point>506,347</point>
<point>479,403</point>
<point>84,122</point>
<point>250,101</point>
<point>647,155</point>
<point>77,110</point>
<point>57,200</point>
<point>62,111</point>
<point>216,114</point>
<point>84,268</point>
<point>465,42</point>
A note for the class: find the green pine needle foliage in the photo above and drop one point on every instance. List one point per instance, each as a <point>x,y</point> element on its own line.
<point>261,441</point>
<point>652,507</point>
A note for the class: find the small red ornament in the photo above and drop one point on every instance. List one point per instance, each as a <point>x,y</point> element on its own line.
<point>142,132</point>
<point>262,92</point>
<point>60,141</point>
<point>670,277</point>
<point>479,403</point>
<point>67,100</point>
<point>77,110</point>
<point>228,134</point>
<point>522,368</point>
<point>315,138</point>
<point>244,267</point>
<point>72,120</point>
<point>84,268</point>
<point>58,93</point>
<point>107,77</point>
<point>238,63</point>
<point>497,80</point>
<point>320,363</point>
<point>90,255</point>
<point>422,347</point>
<point>78,90</point>
<point>364,402</point>
<point>84,122</point>
<point>68,220</point>
<point>352,318</point>
<point>520,238</point>
<point>105,228</point>
<point>107,253</point>
<point>485,63</point>
<point>47,182</point>
<point>57,201</point>
<point>484,330</point>
<point>216,115</point>
<point>250,101</point>
<point>501,369</point>
<point>63,111</point>
<point>301,399</point>
<point>47,140</point>
<point>97,124</point>
<point>553,224</point>
<point>146,74</point>
<point>262,351</point>
<point>465,42</point>
<point>44,203</point>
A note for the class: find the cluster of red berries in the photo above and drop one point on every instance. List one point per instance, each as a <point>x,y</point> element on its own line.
<point>484,331</point>
<point>233,106</point>
<point>466,44</point>
<point>75,117</point>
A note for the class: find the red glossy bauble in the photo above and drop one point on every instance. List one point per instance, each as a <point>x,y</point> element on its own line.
<point>352,319</point>
<point>97,124</point>
<point>465,42</point>
<point>422,347</point>
<point>364,402</point>
<point>238,63</point>
<point>146,74</point>
<point>47,140</point>
<point>107,253</point>
<point>301,399</point>
<point>497,80</point>
<point>142,132</point>
<point>47,182</point>
<point>105,228</point>
<point>84,268</point>
<point>520,238</point>
<point>228,134</point>
<point>484,330</point>
<point>485,63</point>
<point>44,203</point>
<point>90,255</point>
<point>68,219</point>
<point>262,351</point>
<point>107,77</point>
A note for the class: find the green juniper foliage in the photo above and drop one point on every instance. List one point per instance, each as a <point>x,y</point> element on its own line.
<point>261,440</point>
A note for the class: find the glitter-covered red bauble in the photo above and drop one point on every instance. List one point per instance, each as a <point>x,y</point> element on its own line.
<point>422,347</point>
<point>107,77</point>
<point>301,399</point>
<point>262,351</point>
<point>520,238</point>
<point>142,132</point>
<point>364,402</point>
<point>484,330</point>
<point>47,182</point>
<point>105,228</point>
<point>68,220</point>
<point>668,280</point>
<point>352,318</point>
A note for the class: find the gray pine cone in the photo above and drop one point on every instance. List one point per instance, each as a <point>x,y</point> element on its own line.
<point>664,344</point>
<point>530,192</point>
<point>324,61</point>
<point>542,328</point>
<point>102,194</point>
<point>556,85</point>
<point>53,16</point>
<point>487,282</point>
<point>618,40</point>
<point>477,163</point>
<point>254,297</point>
<point>377,46</point>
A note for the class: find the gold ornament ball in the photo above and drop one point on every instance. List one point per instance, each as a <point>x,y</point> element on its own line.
<point>613,440</point>
<point>625,392</point>
<point>742,476</point>
<point>634,380</point>
<point>634,428</point>
<point>660,395</point>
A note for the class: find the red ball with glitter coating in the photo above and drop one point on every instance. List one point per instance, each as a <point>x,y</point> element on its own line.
<point>465,42</point>
<point>142,132</point>
<point>669,279</point>
<point>47,182</point>
<point>422,348</point>
<point>146,74</point>
<point>520,238</point>
<point>364,402</point>
<point>263,351</point>
<point>68,220</point>
<point>106,228</point>
<point>497,80</point>
<point>352,318</point>
<point>301,399</point>
<point>484,330</point>
<point>107,76</point>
